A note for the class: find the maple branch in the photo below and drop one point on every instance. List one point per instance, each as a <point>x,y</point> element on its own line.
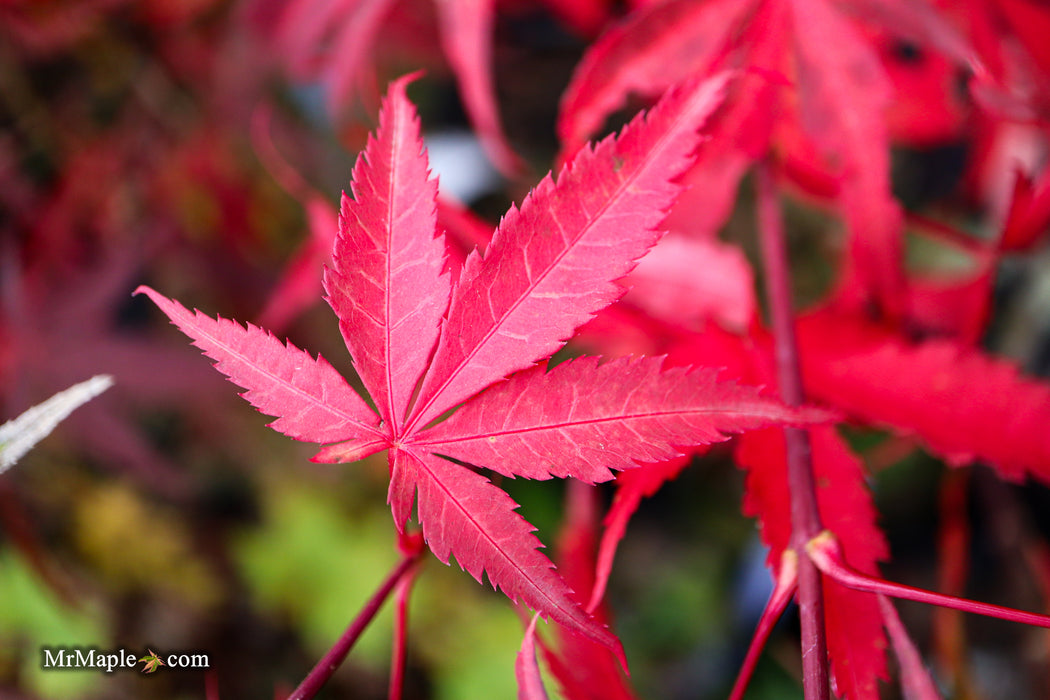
<point>335,656</point>
<point>805,518</point>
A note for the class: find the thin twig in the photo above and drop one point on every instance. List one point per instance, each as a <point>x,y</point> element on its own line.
<point>324,669</point>
<point>805,518</point>
<point>825,552</point>
<point>398,654</point>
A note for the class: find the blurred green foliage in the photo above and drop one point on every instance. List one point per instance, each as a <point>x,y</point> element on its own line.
<point>31,617</point>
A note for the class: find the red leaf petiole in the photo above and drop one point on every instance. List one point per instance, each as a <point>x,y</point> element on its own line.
<point>824,551</point>
<point>335,656</point>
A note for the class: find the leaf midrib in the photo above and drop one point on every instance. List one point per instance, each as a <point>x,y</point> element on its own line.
<point>589,421</point>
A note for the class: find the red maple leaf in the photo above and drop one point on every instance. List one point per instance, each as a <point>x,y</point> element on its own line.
<point>333,40</point>
<point>815,103</point>
<point>986,409</point>
<point>423,346</point>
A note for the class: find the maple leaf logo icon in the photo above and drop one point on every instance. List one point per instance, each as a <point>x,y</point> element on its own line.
<point>152,662</point>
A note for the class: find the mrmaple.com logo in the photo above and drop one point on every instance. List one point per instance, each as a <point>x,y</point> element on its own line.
<point>90,658</point>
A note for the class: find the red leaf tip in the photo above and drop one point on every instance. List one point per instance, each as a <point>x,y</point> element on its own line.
<point>399,85</point>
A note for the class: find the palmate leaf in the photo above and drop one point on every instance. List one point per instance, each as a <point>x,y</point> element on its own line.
<point>830,132</point>
<point>853,620</point>
<point>550,266</point>
<point>552,263</point>
<point>332,40</point>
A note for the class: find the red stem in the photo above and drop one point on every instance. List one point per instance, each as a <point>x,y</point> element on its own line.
<point>953,568</point>
<point>275,163</point>
<point>915,679</point>
<point>950,235</point>
<point>324,669</point>
<point>825,552</point>
<point>778,601</point>
<point>398,653</point>
<point>805,518</point>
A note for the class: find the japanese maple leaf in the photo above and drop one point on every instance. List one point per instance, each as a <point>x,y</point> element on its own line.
<point>986,409</point>
<point>332,40</point>
<point>57,328</point>
<point>830,132</point>
<point>424,347</point>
